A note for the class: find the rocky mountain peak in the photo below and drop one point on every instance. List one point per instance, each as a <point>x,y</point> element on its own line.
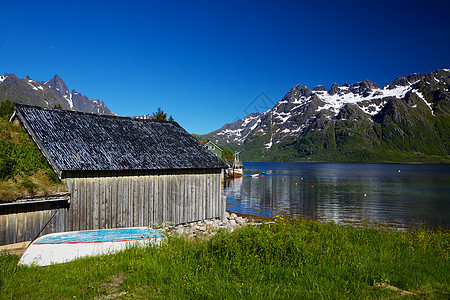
<point>305,91</point>
<point>364,87</point>
<point>405,81</point>
<point>297,87</point>
<point>85,104</point>
<point>58,86</point>
<point>320,88</point>
<point>401,81</point>
<point>10,77</point>
<point>413,78</point>
<point>297,93</point>
<point>335,88</point>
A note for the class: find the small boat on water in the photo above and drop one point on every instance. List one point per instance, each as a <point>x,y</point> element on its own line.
<point>66,246</point>
<point>238,168</point>
<point>238,171</point>
<point>261,174</point>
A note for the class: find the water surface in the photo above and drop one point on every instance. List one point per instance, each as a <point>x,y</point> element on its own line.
<point>402,195</point>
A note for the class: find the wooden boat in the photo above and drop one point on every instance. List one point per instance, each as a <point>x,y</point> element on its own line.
<point>66,246</point>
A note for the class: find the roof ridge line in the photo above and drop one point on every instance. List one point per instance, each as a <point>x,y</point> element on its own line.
<point>94,114</point>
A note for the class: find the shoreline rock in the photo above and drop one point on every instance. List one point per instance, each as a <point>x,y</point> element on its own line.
<point>208,227</point>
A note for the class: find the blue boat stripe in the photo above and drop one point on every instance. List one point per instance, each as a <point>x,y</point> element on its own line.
<point>102,235</point>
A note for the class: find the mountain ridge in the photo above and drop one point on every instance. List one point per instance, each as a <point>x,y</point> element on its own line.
<point>52,93</point>
<point>358,122</point>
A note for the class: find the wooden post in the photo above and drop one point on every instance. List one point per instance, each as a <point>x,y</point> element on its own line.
<point>224,208</point>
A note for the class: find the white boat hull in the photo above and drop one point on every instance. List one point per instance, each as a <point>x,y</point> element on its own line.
<point>238,172</point>
<point>66,246</point>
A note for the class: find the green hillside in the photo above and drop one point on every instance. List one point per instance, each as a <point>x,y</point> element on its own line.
<point>24,171</point>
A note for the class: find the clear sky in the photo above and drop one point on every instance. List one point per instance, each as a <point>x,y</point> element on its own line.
<point>204,62</point>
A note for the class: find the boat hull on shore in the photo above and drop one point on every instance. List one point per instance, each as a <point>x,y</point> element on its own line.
<point>66,246</point>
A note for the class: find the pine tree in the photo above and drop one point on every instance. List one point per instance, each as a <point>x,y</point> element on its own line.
<point>160,115</point>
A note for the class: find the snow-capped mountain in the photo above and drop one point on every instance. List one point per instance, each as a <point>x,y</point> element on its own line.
<point>77,100</point>
<point>52,93</point>
<point>303,111</point>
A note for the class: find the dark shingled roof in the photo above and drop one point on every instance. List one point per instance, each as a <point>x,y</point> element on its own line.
<point>80,141</point>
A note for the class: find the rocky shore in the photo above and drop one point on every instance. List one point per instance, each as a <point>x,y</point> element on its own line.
<point>209,227</point>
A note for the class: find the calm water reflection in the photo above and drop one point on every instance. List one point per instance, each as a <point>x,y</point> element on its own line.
<point>398,194</point>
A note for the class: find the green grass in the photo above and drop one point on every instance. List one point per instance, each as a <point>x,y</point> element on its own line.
<point>24,171</point>
<point>295,259</point>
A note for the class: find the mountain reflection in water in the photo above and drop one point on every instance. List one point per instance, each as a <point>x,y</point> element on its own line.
<point>402,195</point>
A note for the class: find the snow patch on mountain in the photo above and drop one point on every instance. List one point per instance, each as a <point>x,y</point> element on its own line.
<point>68,98</point>
<point>255,125</point>
<point>420,95</point>
<point>32,84</point>
<point>282,117</point>
<point>3,77</point>
<point>269,144</point>
<point>248,119</point>
<point>229,132</point>
<point>239,132</point>
<point>336,101</point>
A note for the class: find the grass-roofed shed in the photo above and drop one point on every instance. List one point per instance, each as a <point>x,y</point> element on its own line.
<point>124,172</point>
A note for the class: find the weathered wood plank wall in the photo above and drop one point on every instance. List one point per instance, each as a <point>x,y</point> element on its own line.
<point>113,199</point>
<point>20,222</point>
<point>118,199</point>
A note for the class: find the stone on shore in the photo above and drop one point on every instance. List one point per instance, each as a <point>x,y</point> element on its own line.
<point>208,227</point>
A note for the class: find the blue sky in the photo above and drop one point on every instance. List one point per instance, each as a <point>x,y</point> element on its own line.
<point>204,62</point>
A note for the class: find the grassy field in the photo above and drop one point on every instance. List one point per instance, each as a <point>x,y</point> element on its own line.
<point>294,259</point>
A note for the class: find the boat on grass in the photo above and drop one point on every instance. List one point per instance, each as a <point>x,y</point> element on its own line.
<point>66,246</point>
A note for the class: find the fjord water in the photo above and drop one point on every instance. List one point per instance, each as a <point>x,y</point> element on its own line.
<point>401,195</point>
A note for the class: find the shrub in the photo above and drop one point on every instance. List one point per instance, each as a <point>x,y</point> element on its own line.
<point>6,109</point>
<point>7,166</point>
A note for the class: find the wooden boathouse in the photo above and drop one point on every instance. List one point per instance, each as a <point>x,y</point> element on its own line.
<point>124,172</point>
